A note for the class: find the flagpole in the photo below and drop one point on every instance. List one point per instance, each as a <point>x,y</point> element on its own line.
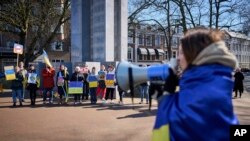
<point>17,59</point>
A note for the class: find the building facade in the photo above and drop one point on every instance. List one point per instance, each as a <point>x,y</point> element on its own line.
<point>147,44</point>
<point>99,30</point>
<point>239,45</point>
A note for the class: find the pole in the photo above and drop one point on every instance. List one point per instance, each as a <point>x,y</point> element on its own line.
<point>17,59</point>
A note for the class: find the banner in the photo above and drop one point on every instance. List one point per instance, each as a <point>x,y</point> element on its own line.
<point>110,80</point>
<point>9,73</point>
<point>32,77</point>
<point>92,81</point>
<point>75,87</point>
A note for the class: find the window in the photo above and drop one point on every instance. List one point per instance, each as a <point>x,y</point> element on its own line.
<point>148,57</point>
<point>149,40</point>
<point>153,57</point>
<point>166,54</point>
<point>174,55</point>
<point>57,46</point>
<point>129,54</point>
<point>57,60</point>
<point>140,57</point>
<point>140,39</point>
<point>130,39</point>
<point>60,30</point>
<point>157,40</point>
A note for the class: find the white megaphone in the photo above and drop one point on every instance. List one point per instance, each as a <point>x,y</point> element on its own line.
<point>127,72</point>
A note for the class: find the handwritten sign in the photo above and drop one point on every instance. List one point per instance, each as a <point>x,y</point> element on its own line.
<point>101,75</point>
<point>110,80</point>
<point>75,87</point>
<point>18,49</point>
<point>92,81</point>
<point>32,77</point>
<point>60,81</point>
<point>9,73</point>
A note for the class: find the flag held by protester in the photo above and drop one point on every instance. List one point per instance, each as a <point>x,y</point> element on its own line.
<point>46,59</point>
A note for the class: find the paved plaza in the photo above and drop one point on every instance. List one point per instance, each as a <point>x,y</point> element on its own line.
<point>86,122</point>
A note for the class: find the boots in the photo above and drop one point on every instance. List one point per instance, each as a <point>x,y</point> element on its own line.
<point>21,103</point>
<point>14,104</point>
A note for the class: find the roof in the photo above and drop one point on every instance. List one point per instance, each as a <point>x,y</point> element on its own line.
<point>237,35</point>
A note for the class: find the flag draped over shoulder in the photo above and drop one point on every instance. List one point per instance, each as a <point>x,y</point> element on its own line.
<point>201,111</point>
<point>46,58</point>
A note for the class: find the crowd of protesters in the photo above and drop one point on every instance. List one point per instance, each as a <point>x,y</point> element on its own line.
<point>57,84</point>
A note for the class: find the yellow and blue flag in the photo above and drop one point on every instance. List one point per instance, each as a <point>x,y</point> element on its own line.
<point>46,59</point>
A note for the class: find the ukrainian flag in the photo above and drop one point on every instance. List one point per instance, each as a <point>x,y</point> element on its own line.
<point>46,59</point>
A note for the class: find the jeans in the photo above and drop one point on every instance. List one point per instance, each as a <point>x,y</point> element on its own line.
<point>23,93</point>
<point>45,91</point>
<point>93,95</point>
<point>144,91</point>
<point>16,93</point>
<point>111,92</point>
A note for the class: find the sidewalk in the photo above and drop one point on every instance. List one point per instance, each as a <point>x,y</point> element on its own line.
<point>86,122</point>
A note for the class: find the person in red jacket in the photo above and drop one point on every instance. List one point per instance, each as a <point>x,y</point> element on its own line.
<point>48,74</point>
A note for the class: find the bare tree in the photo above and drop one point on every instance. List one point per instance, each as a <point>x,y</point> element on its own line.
<point>34,22</point>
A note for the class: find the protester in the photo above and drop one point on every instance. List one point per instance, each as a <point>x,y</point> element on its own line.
<point>144,90</point>
<point>238,82</point>
<point>92,89</point>
<point>110,88</point>
<point>48,74</point>
<point>32,83</point>
<point>62,78</point>
<point>78,77</point>
<point>101,89</point>
<point>24,73</point>
<point>86,83</point>
<point>17,86</point>
<point>204,98</point>
<point>121,92</point>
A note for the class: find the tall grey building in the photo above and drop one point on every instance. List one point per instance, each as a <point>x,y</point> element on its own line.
<point>98,30</point>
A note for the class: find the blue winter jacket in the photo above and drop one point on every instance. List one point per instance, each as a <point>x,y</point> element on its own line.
<point>202,110</point>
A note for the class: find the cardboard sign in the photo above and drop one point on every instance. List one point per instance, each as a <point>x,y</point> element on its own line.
<point>9,73</point>
<point>60,81</point>
<point>101,75</point>
<point>18,49</point>
<point>110,80</point>
<point>75,87</point>
<point>92,81</point>
<point>32,77</point>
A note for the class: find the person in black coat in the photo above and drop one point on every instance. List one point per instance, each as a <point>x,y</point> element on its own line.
<point>238,82</point>
<point>17,86</point>
<point>77,76</point>
<point>62,78</point>
<point>32,84</point>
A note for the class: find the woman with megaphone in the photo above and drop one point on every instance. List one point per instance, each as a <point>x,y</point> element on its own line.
<point>202,110</point>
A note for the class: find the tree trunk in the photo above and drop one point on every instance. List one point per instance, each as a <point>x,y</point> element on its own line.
<point>183,19</point>
<point>210,13</point>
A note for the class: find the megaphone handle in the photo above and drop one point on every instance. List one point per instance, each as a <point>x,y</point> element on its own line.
<point>131,84</point>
